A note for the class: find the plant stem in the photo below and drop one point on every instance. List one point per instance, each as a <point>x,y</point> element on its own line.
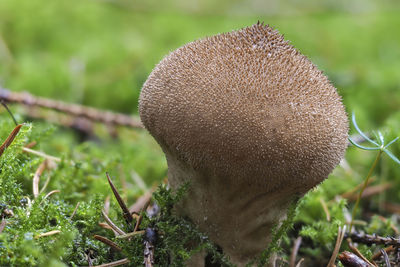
<point>363,187</point>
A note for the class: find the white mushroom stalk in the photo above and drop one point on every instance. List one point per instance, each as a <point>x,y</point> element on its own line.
<point>251,123</point>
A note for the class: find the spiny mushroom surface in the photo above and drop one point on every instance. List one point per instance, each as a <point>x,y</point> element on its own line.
<point>250,123</point>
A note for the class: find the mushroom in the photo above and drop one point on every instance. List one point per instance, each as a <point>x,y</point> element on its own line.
<point>250,123</point>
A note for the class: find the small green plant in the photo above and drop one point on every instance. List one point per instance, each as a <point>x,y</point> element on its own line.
<point>379,146</point>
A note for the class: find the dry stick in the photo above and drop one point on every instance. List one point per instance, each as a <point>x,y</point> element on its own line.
<point>49,194</point>
<point>326,210</point>
<point>299,263</point>
<point>354,191</point>
<point>10,139</point>
<point>141,202</point>
<point>128,235</point>
<point>68,121</point>
<point>106,226</point>
<point>40,154</point>
<point>139,220</point>
<point>46,183</point>
<point>107,242</point>
<point>93,114</point>
<point>54,232</point>
<point>36,178</point>
<point>114,263</point>
<point>339,240</point>
<point>125,210</point>
<point>379,253</point>
<point>75,209</point>
<point>113,226</point>
<point>386,257</point>
<point>295,249</point>
<point>371,191</point>
<point>374,239</point>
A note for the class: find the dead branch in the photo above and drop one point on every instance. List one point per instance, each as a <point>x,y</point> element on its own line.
<point>295,249</point>
<point>10,139</point>
<point>97,115</point>
<point>374,239</point>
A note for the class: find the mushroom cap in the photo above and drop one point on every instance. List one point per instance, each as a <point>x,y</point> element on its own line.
<point>248,108</point>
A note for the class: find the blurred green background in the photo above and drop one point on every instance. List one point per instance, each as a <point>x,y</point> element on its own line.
<point>99,53</point>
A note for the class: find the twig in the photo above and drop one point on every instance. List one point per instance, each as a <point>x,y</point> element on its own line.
<point>385,257</point>
<point>31,144</point>
<point>74,212</point>
<point>113,226</point>
<point>10,139</point>
<point>299,263</point>
<point>128,235</point>
<point>114,263</point>
<point>339,240</point>
<point>54,232</point>
<point>106,117</point>
<point>46,183</point>
<point>374,239</point>
<point>36,178</point>
<point>124,208</point>
<point>139,220</point>
<point>370,191</point>
<point>49,194</point>
<point>295,249</point>
<point>106,226</point>
<point>80,124</point>
<point>141,202</point>
<point>107,242</point>
<point>41,154</point>
<point>379,253</point>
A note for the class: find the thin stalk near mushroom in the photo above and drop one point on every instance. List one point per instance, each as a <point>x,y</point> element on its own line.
<point>379,146</point>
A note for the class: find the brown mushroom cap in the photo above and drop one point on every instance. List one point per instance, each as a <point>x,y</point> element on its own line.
<point>248,108</point>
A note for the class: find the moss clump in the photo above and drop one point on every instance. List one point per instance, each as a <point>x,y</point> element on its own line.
<point>42,231</point>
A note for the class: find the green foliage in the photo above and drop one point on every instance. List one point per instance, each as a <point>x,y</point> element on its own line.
<point>20,241</point>
<point>80,178</point>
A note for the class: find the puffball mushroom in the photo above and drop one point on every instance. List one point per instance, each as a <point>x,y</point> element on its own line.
<point>250,123</point>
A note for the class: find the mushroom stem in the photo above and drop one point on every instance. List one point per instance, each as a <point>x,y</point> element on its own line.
<point>238,218</point>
